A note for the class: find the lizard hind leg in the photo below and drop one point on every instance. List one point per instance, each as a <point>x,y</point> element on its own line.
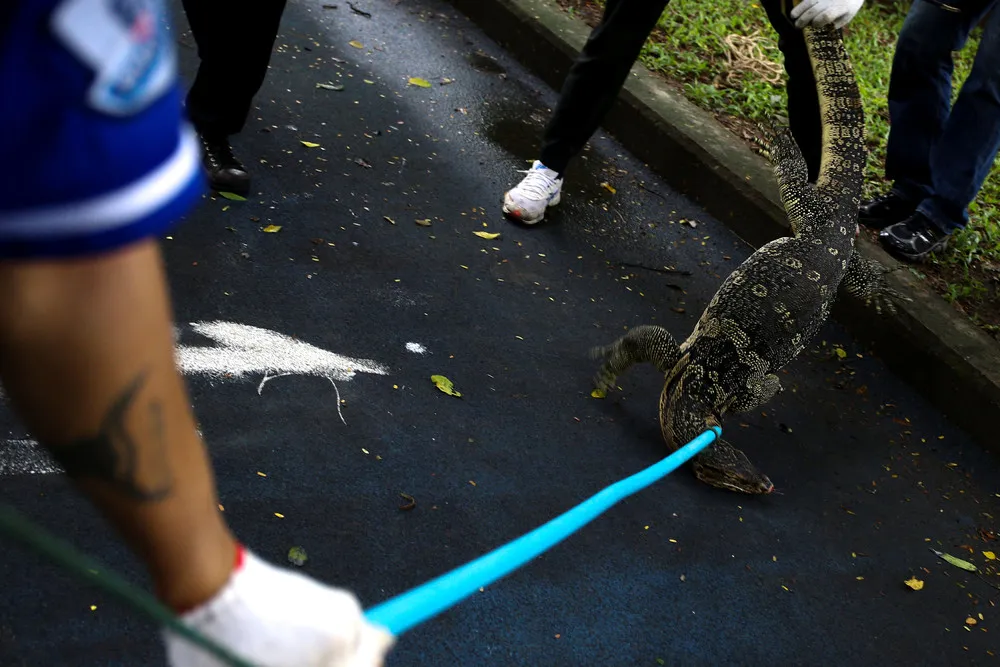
<point>648,343</point>
<point>790,170</point>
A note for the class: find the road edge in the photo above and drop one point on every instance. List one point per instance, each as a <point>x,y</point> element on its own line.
<point>927,343</point>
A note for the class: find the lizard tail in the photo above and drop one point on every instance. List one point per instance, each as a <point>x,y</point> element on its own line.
<point>844,154</point>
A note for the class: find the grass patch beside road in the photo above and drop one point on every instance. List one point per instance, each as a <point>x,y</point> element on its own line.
<point>698,47</point>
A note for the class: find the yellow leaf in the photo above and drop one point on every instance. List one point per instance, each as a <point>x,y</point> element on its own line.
<point>298,556</point>
<point>990,555</point>
<point>233,196</point>
<point>445,385</point>
<point>356,44</point>
<point>598,393</point>
<point>610,188</point>
<point>424,223</point>
<point>914,583</point>
<point>417,81</point>
<point>270,229</point>
<point>489,236</point>
<point>840,352</point>
<point>309,144</point>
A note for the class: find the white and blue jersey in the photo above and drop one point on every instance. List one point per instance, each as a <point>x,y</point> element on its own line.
<point>94,149</point>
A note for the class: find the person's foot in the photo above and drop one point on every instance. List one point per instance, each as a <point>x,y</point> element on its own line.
<point>538,190</point>
<point>884,210</point>
<point>913,239</point>
<point>225,172</point>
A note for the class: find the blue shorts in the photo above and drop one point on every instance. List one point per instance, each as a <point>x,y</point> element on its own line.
<point>94,148</point>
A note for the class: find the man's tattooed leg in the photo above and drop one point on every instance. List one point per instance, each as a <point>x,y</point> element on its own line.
<point>137,467</point>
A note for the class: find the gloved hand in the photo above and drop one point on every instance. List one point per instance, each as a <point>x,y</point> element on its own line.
<point>818,13</point>
<point>273,617</point>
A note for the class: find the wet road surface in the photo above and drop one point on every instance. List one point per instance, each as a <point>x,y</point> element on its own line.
<point>870,476</point>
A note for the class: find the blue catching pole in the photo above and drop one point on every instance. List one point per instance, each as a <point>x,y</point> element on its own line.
<point>419,604</point>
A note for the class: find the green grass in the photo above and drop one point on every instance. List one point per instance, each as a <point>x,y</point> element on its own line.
<point>691,51</point>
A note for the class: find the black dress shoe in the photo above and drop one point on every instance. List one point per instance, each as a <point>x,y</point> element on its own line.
<point>225,172</point>
<point>913,239</point>
<point>885,210</point>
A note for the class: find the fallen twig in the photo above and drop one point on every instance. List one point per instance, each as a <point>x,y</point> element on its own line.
<point>653,268</point>
<point>358,11</point>
<point>650,190</point>
<point>411,502</point>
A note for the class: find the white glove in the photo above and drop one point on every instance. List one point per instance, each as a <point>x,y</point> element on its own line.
<point>818,13</point>
<point>273,617</point>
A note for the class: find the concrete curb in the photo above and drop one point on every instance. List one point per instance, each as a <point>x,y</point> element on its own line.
<point>927,343</point>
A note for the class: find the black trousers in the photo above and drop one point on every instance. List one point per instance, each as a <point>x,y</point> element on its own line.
<point>599,72</point>
<point>235,39</point>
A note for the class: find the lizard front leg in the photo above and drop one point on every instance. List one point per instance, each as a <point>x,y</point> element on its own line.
<point>865,279</point>
<point>760,389</point>
<point>647,343</point>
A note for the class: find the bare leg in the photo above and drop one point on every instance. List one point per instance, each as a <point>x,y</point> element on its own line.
<point>86,355</point>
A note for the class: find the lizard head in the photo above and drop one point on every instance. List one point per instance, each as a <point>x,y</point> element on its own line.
<point>725,467</point>
<point>683,415</point>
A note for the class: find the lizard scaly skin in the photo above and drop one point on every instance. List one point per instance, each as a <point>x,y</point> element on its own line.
<point>773,304</point>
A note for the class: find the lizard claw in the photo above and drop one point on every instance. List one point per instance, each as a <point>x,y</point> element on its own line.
<point>775,143</point>
<point>604,380</point>
<point>886,296</point>
<point>867,282</point>
<point>762,145</point>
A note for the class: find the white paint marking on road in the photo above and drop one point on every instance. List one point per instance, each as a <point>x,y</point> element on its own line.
<point>416,348</point>
<point>241,351</point>
<point>245,350</point>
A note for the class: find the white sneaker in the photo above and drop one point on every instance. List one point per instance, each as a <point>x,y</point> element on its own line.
<point>538,190</point>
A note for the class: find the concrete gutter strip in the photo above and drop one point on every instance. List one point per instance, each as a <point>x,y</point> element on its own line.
<point>927,343</point>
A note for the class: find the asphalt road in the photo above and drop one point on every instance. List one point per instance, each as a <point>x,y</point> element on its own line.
<point>869,475</point>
